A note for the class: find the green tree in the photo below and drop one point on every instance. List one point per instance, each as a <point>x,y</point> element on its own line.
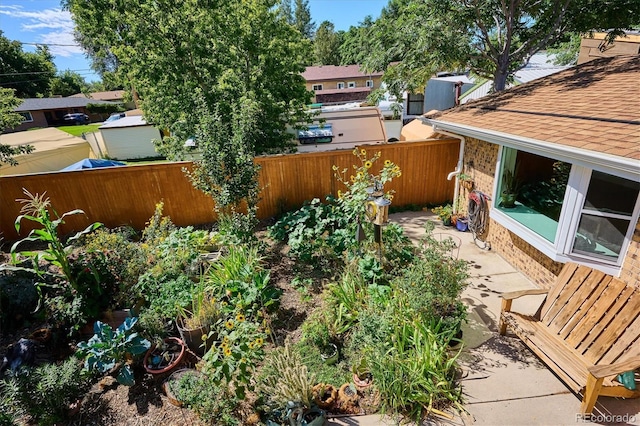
<point>302,19</point>
<point>326,45</point>
<point>68,83</point>
<point>8,120</point>
<point>355,43</point>
<point>29,73</point>
<point>285,11</point>
<point>200,63</point>
<point>491,38</point>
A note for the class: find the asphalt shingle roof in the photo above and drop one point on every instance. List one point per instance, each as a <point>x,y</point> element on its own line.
<point>594,106</point>
<point>35,104</point>
<point>333,72</point>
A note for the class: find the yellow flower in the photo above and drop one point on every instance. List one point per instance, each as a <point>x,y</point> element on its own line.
<point>267,331</point>
<point>363,151</point>
<point>225,340</point>
<point>259,341</point>
<point>396,169</point>
<point>243,360</point>
<point>251,345</point>
<point>353,178</point>
<point>399,174</point>
<point>334,168</point>
<point>223,346</point>
<point>340,194</point>
<point>240,318</point>
<point>368,164</point>
<point>387,162</point>
<point>229,325</point>
<point>360,175</point>
<point>227,352</point>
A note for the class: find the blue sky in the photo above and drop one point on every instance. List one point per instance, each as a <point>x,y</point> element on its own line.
<point>43,21</point>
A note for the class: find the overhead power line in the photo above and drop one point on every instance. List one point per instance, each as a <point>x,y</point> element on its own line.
<point>39,72</point>
<point>49,44</point>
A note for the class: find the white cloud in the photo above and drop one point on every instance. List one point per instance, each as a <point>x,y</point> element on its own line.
<point>50,26</point>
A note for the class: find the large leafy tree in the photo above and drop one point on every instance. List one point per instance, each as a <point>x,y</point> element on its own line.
<point>492,38</point>
<point>196,62</point>
<point>28,73</point>
<point>326,45</point>
<point>8,120</point>
<point>68,83</point>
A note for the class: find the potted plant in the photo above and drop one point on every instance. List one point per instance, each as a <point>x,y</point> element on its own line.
<point>444,212</point>
<point>466,181</point>
<point>510,188</point>
<point>110,351</point>
<point>164,357</point>
<point>316,331</point>
<point>362,376</point>
<point>194,325</point>
<point>324,395</point>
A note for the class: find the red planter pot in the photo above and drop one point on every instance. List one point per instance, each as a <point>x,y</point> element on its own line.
<point>177,360</point>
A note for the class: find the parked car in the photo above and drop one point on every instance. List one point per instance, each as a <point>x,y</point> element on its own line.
<point>76,118</point>
<point>114,117</point>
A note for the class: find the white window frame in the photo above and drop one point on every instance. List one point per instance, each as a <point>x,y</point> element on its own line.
<point>561,249</point>
<point>351,84</point>
<point>368,83</point>
<point>24,115</point>
<point>340,85</point>
<point>317,87</point>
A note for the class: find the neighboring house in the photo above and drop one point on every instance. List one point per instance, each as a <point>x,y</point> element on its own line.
<point>340,84</point>
<point>53,151</point>
<point>45,112</point>
<point>596,46</point>
<point>570,144</point>
<point>111,96</point>
<point>128,138</point>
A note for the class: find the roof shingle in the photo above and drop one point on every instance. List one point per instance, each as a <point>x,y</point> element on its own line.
<point>594,106</point>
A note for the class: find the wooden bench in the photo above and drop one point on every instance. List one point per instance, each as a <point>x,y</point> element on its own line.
<point>586,331</point>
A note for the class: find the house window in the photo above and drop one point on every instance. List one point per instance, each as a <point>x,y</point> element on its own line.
<point>569,212</point>
<point>317,87</point>
<point>351,84</point>
<point>605,217</point>
<point>26,116</point>
<point>369,83</point>
<point>341,85</point>
<point>415,104</point>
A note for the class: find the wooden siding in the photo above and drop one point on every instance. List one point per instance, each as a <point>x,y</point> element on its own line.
<point>128,195</point>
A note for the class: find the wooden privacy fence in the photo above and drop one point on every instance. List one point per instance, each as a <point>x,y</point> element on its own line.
<point>128,195</point>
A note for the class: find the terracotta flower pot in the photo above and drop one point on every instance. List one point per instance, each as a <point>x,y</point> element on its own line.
<point>161,368</point>
<point>362,383</point>
<point>324,395</point>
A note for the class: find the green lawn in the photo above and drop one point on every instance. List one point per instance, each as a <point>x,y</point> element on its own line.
<point>79,130</point>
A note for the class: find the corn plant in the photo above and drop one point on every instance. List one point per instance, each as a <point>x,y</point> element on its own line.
<point>36,209</point>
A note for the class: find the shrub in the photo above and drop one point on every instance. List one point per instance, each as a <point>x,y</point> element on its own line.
<point>43,393</point>
<point>212,402</point>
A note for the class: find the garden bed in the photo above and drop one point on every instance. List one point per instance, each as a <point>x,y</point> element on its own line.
<point>308,318</point>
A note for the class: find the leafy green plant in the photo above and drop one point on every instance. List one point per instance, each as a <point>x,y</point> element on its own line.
<point>43,394</point>
<point>234,359</point>
<point>444,212</point>
<point>36,209</point>
<point>416,373</point>
<point>213,403</point>
<point>109,350</point>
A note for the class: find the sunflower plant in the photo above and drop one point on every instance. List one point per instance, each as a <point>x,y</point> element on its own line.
<point>240,347</point>
<point>360,179</point>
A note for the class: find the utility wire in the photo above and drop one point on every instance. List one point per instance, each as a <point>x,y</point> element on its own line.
<point>39,72</point>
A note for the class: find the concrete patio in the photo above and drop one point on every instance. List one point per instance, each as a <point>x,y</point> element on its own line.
<point>503,382</point>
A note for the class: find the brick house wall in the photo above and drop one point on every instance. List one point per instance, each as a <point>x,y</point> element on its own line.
<point>480,159</point>
<point>39,121</point>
